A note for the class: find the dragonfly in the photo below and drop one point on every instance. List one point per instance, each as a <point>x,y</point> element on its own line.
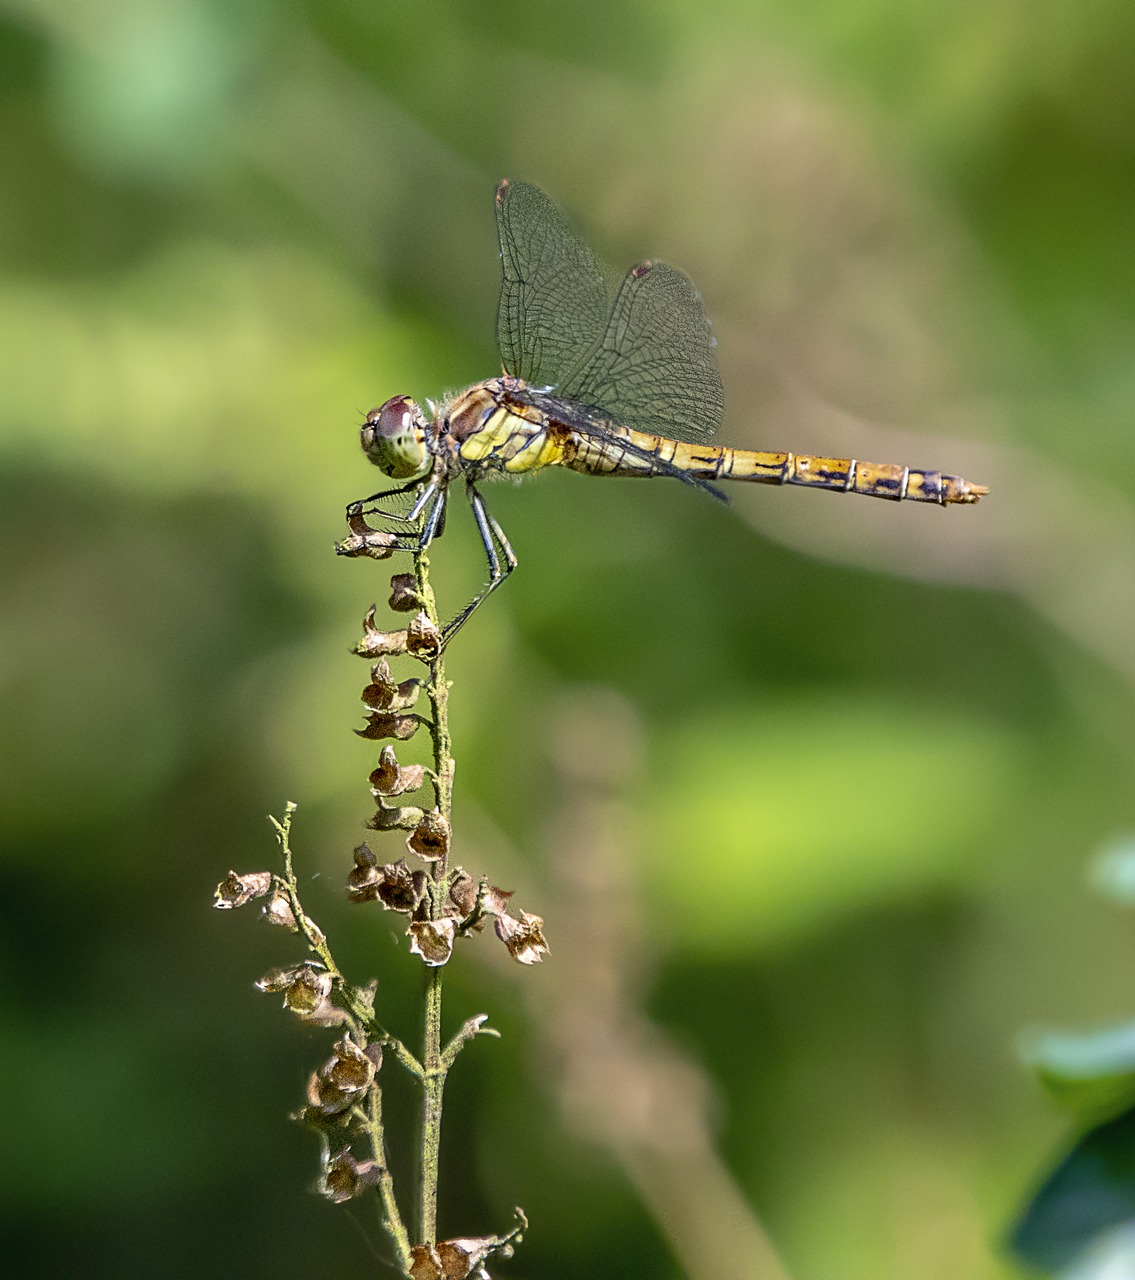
<point>605,380</point>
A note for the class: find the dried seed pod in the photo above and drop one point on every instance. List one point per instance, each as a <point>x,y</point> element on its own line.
<point>384,693</point>
<point>364,877</point>
<point>376,643</point>
<point>394,885</point>
<point>405,596</point>
<point>423,637</point>
<point>463,891</point>
<point>278,910</point>
<point>378,544</point>
<point>391,778</point>
<point>396,818</point>
<point>459,1259</point>
<point>350,1068</point>
<point>235,890</point>
<point>307,992</point>
<point>430,839</point>
<point>432,940</point>
<point>389,724</point>
<point>523,937</point>
<point>344,1177</point>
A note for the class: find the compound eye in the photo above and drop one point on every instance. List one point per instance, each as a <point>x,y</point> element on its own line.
<point>392,418</point>
<point>394,438</point>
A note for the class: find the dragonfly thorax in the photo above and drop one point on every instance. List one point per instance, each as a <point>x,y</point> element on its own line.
<point>394,439</point>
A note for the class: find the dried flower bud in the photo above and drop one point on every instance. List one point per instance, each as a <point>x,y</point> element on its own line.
<point>402,889</point>
<point>430,839</point>
<point>460,1259</point>
<point>343,1078</point>
<point>324,1099</point>
<point>432,940</point>
<point>424,1263</point>
<point>404,596</point>
<point>389,724</point>
<point>235,890</point>
<point>385,694</point>
<point>344,1177</point>
<point>463,891</point>
<point>378,544</point>
<point>494,901</point>
<point>362,882</point>
<point>423,637</point>
<point>391,778</point>
<point>278,910</point>
<point>376,643</point>
<point>352,1069</point>
<point>307,992</point>
<point>394,818</point>
<point>523,937</point>
<point>474,901</point>
<point>394,885</point>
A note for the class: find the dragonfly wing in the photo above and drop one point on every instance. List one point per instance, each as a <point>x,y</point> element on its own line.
<point>655,366</point>
<point>553,302</point>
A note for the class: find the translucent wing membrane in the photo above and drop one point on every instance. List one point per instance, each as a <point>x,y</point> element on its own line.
<point>553,303</point>
<point>656,365</point>
<point>647,361</point>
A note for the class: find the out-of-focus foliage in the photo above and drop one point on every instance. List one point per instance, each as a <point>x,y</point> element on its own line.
<point>876,743</point>
<point>1080,1224</point>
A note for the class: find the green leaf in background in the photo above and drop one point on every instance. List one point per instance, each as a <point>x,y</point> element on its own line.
<point>1113,873</point>
<point>1091,1071</point>
<point>1069,1227</point>
<point>813,810</point>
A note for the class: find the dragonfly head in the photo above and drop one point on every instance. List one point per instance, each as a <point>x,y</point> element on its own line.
<point>394,439</point>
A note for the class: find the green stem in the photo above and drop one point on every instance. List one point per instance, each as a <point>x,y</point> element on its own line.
<point>433,1080</point>
<point>391,1217</point>
<point>433,1086</point>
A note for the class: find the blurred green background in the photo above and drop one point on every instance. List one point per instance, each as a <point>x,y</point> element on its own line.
<point>804,789</point>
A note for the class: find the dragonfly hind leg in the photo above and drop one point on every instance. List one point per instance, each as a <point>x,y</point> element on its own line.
<point>498,552</point>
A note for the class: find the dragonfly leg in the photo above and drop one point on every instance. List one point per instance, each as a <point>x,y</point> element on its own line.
<point>361,508</point>
<point>434,523</point>
<point>421,524</point>
<point>414,530</point>
<point>501,563</point>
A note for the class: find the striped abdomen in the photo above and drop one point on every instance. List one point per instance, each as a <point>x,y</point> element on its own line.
<point>655,455</point>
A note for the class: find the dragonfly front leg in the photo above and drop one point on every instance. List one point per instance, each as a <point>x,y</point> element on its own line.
<point>381,501</point>
<point>414,530</point>
<point>500,565</point>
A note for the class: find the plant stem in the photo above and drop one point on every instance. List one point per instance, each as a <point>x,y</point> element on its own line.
<point>433,1085</point>
<point>391,1217</point>
<point>433,1082</point>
